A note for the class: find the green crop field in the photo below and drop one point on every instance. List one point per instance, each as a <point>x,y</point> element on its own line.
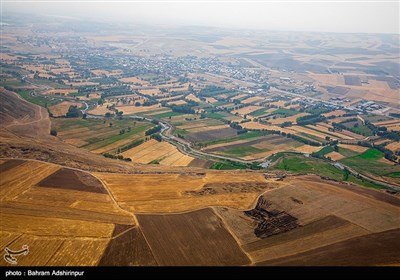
<point>394,174</point>
<point>367,162</point>
<point>371,154</point>
<point>300,164</point>
<point>285,112</point>
<point>96,142</point>
<point>258,112</point>
<point>347,153</point>
<point>215,116</point>
<point>38,99</point>
<point>325,150</point>
<point>362,129</point>
<point>97,133</point>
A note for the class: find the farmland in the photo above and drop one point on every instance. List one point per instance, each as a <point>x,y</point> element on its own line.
<point>131,145</point>
<point>97,135</point>
<point>222,249</point>
<point>155,152</point>
<point>174,193</point>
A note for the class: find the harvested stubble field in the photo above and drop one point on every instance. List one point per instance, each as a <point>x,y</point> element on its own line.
<point>61,109</point>
<point>38,208</point>
<point>193,98</point>
<point>254,99</point>
<point>291,119</point>
<point>173,193</point>
<point>187,245</point>
<point>96,234</point>
<point>129,110</point>
<point>100,110</point>
<point>162,152</point>
<point>394,146</point>
<point>344,212</point>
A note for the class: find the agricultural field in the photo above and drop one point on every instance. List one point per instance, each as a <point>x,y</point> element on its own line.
<point>39,207</point>
<point>182,248</point>
<point>99,135</point>
<point>370,162</point>
<point>211,135</point>
<point>295,230</point>
<point>254,148</point>
<point>61,109</point>
<point>184,192</point>
<point>246,110</point>
<point>247,149</point>
<point>154,152</point>
<point>390,125</point>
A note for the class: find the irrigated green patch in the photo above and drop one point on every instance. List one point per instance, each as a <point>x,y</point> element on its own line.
<point>258,112</point>
<point>300,164</point>
<point>38,99</point>
<point>371,154</point>
<point>96,143</point>
<point>325,150</point>
<point>285,112</point>
<point>367,163</point>
<point>99,133</point>
<point>215,116</point>
<point>181,131</point>
<point>394,174</point>
<point>347,153</point>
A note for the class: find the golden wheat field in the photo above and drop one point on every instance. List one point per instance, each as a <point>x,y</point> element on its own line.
<point>162,152</point>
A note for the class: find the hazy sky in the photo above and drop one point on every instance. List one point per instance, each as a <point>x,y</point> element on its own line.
<point>327,16</point>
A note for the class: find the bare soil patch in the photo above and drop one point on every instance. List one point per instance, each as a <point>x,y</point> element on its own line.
<point>73,180</point>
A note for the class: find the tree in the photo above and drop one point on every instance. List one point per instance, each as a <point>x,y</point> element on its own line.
<point>73,112</point>
<point>84,116</point>
<point>110,124</point>
<point>336,148</point>
<point>137,104</point>
<point>53,132</point>
<point>157,137</point>
<point>108,114</point>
